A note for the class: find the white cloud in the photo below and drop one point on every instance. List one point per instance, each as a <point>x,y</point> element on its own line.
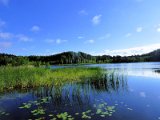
<point>56,41</point>
<point>9,36</point>
<point>5,44</point>
<point>91,41</point>
<point>132,51</point>
<point>139,29</point>
<point>23,38</point>
<point>128,35</point>
<point>80,37</point>
<point>157,27</point>
<point>83,12</point>
<point>35,28</point>
<point>96,19</point>
<point>142,94</point>
<point>4,2</point>
<point>108,35</point>
<point>59,41</point>
<point>5,35</point>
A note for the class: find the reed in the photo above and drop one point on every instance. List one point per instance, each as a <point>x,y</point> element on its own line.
<point>29,77</point>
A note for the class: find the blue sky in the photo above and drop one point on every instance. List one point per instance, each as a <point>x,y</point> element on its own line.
<point>44,27</point>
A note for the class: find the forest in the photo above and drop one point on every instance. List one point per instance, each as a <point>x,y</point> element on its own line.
<point>75,58</point>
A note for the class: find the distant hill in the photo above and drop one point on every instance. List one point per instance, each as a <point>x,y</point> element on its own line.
<point>64,58</point>
<point>155,52</point>
<point>153,56</point>
<point>77,58</point>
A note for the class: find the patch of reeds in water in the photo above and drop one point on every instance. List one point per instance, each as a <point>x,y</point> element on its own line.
<point>30,77</point>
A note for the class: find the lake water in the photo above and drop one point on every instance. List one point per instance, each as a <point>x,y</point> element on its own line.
<point>131,92</point>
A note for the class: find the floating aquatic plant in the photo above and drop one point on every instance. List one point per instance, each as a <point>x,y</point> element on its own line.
<point>26,106</point>
<point>85,115</point>
<point>4,113</point>
<point>41,118</point>
<point>103,110</point>
<point>44,100</point>
<point>76,113</point>
<point>50,115</point>
<point>65,116</point>
<point>39,111</point>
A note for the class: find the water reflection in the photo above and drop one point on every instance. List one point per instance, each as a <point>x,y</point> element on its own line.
<point>144,73</point>
<point>130,88</point>
<point>82,92</point>
<point>157,71</point>
<point>133,69</point>
<point>109,83</point>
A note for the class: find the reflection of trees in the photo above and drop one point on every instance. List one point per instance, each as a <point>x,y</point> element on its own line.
<point>157,71</point>
<point>109,82</point>
<point>62,95</point>
<point>112,81</point>
<point>81,93</point>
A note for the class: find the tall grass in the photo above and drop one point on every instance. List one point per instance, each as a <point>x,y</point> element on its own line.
<point>29,77</point>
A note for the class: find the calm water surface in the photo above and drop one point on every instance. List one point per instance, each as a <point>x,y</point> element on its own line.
<point>130,92</point>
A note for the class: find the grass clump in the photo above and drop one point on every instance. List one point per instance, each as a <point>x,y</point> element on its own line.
<point>29,77</point>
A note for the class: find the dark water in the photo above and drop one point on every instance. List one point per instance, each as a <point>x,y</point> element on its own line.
<point>130,92</point>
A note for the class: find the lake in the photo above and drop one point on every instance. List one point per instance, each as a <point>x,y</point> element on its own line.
<point>130,92</point>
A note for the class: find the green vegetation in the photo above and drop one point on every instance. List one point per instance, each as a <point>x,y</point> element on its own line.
<point>38,111</point>
<point>3,113</point>
<point>30,77</point>
<point>100,109</point>
<point>26,105</point>
<point>75,58</point>
<point>65,116</point>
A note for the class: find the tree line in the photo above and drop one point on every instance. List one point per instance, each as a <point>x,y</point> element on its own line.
<point>75,58</point>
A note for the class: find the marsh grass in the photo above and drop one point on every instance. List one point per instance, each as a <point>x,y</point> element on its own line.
<point>30,77</point>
